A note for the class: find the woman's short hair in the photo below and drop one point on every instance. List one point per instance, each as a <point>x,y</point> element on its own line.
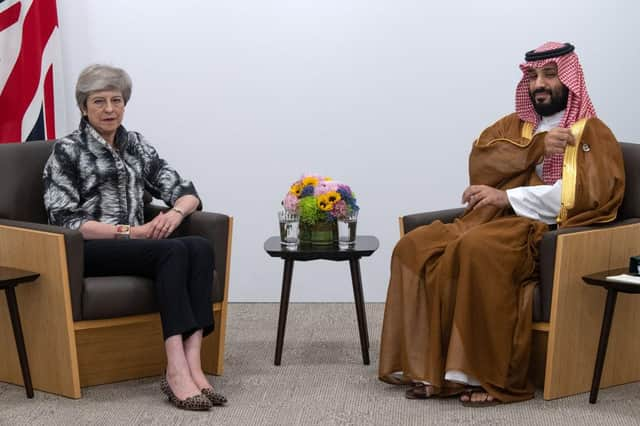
<point>97,77</point>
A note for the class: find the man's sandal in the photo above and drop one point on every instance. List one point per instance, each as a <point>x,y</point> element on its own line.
<point>396,379</point>
<point>420,391</point>
<point>486,402</point>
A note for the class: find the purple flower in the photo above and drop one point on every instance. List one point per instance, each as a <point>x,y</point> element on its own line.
<point>306,191</point>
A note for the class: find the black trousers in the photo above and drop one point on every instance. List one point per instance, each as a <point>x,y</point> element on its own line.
<point>181,269</point>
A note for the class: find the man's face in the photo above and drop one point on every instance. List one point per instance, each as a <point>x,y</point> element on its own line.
<point>547,92</point>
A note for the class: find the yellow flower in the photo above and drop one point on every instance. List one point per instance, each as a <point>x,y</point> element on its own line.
<point>333,196</point>
<point>296,189</point>
<point>323,202</point>
<point>309,180</point>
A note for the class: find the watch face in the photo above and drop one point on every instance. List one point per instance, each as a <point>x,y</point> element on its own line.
<point>122,229</point>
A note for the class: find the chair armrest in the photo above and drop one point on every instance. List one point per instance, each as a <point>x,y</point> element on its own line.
<point>548,260</point>
<point>74,246</point>
<point>413,221</point>
<point>215,227</point>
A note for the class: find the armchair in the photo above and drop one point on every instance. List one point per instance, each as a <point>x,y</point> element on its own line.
<point>567,313</point>
<point>86,331</point>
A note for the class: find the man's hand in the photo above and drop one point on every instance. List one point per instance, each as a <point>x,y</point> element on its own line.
<point>160,227</point>
<point>482,195</point>
<point>556,140</point>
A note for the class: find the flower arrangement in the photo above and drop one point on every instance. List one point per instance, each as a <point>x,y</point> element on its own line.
<point>319,199</point>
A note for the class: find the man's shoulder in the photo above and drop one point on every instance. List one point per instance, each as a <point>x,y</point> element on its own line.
<point>595,130</point>
<point>595,122</point>
<point>509,120</point>
<point>507,127</point>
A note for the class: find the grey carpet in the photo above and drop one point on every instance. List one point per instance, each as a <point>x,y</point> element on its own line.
<point>321,381</point>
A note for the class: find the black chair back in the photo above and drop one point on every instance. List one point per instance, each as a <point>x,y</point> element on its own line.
<point>21,188</point>
<point>630,207</point>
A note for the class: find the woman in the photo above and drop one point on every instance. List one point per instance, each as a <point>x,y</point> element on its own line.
<point>94,182</point>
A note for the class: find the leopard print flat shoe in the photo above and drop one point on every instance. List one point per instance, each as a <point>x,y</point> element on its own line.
<point>214,397</point>
<point>194,403</point>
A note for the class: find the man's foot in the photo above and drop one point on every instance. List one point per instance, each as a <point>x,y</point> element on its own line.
<point>420,390</point>
<point>396,379</point>
<point>182,385</point>
<point>478,397</point>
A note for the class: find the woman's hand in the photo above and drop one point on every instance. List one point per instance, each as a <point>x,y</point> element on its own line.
<point>160,227</point>
<point>164,224</point>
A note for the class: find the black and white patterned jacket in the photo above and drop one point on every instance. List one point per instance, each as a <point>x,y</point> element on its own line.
<point>86,179</point>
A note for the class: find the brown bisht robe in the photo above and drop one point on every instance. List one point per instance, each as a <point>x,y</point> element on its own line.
<point>460,295</point>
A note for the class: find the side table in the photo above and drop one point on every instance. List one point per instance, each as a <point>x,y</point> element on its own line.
<point>613,287</point>
<point>9,279</point>
<point>364,246</point>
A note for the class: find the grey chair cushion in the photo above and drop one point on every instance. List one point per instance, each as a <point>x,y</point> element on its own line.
<point>117,296</point>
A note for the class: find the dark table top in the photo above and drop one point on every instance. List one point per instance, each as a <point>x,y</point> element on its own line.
<point>365,245</point>
<point>600,279</point>
<point>10,277</point>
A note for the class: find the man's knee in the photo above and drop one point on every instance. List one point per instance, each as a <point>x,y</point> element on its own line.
<point>405,248</point>
<point>472,242</point>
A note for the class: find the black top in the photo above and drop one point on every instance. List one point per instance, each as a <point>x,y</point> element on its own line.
<point>365,245</point>
<point>600,279</point>
<point>10,277</point>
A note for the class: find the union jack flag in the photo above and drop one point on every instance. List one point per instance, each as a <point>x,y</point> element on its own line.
<point>31,102</point>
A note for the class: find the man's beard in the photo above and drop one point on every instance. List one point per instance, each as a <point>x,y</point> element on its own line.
<point>557,104</point>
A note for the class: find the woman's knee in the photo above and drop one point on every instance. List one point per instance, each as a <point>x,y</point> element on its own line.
<point>199,248</point>
<point>175,251</point>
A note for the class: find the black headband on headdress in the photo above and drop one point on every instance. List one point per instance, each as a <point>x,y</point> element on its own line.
<point>532,55</point>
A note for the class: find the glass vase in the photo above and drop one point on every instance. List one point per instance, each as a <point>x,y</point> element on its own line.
<point>319,234</point>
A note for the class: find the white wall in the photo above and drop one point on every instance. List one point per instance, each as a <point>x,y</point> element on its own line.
<point>243,96</point>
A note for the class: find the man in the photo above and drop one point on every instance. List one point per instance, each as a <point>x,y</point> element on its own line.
<point>459,305</point>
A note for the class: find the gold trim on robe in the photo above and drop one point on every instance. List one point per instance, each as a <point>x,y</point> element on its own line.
<point>570,170</point>
<point>527,130</point>
<point>523,144</point>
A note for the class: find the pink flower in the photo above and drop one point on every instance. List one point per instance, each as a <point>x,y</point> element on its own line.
<point>339,209</point>
<point>291,203</point>
<point>324,187</point>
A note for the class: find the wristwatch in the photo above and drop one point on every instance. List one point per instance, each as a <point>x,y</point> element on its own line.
<point>123,232</point>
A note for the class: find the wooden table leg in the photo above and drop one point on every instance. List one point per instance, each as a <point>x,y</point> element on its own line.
<point>356,280</point>
<point>17,333</point>
<point>602,345</point>
<point>284,307</point>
